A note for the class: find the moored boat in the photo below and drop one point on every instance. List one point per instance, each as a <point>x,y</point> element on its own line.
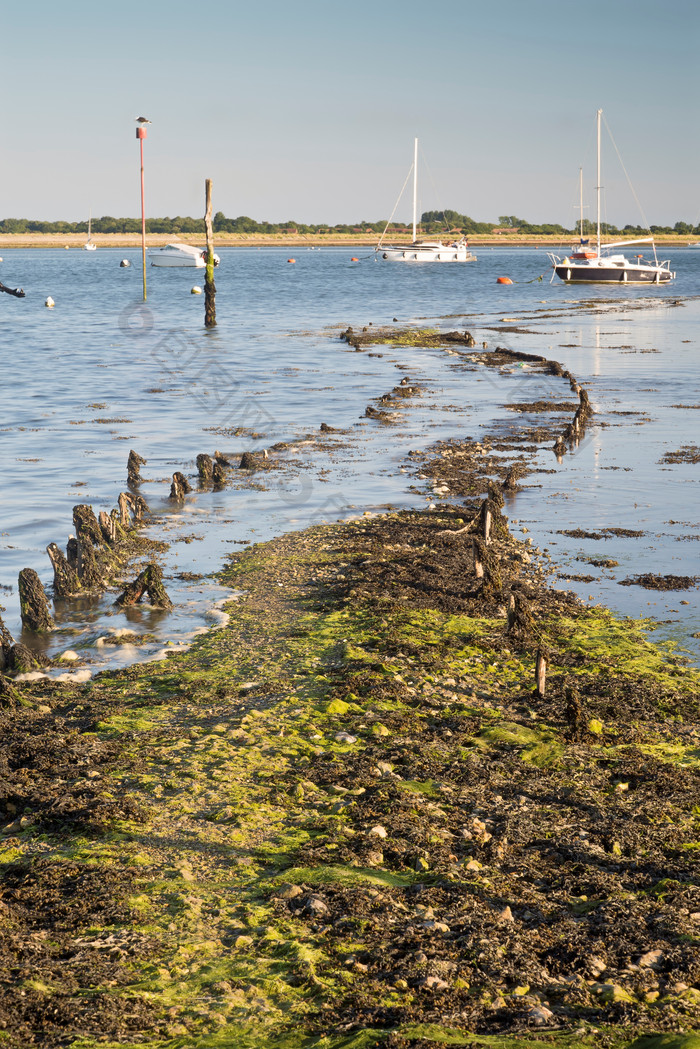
<point>178,255</point>
<point>585,265</point>
<point>425,250</point>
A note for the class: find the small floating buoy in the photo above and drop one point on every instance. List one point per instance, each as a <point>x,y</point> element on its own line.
<point>354,259</point>
<point>67,247</point>
<point>503,280</point>
<point>124,262</point>
<point>50,303</point>
<point>196,290</point>
<point>291,260</point>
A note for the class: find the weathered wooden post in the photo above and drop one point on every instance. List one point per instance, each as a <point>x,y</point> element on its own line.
<point>33,604</point>
<point>133,468</point>
<point>209,286</point>
<point>541,671</point>
<point>205,468</point>
<point>180,486</point>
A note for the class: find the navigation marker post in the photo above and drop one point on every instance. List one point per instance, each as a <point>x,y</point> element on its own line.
<point>141,135</point>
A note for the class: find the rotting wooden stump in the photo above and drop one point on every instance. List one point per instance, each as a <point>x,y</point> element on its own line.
<point>154,586</point>
<point>33,604</point>
<point>150,582</point>
<point>490,514</point>
<point>8,695</point>
<point>90,574</point>
<point>205,468</point>
<point>110,527</point>
<point>520,622</point>
<point>6,643</point>
<point>139,507</point>
<point>574,712</point>
<point>180,486</point>
<point>486,568</point>
<point>65,576</point>
<point>86,525</point>
<point>133,469</point>
<point>218,476</point>
<point>20,660</point>
<point>249,461</point>
<point>513,475</point>
<point>124,512</point>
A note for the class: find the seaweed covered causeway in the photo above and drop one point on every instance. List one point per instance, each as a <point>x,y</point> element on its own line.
<point>409,796</point>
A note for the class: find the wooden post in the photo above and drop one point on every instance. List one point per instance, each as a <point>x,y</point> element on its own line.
<point>478,563</point>
<point>209,286</point>
<point>32,600</point>
<point>541,672</point>
<point>141,134</point>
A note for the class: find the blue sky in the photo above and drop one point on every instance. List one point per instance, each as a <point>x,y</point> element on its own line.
<point>308,110</point>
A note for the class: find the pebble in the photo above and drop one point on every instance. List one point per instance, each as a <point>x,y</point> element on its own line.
<point>317,906</point>
<point>651,960</point>
<point>436,926</point>
<point>378,831</point>
<point>345,737</point>
<point>540,1015</point>
<point>433,983</point>
<point>289,892</point>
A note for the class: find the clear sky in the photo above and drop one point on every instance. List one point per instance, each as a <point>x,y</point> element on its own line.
<point>307,110</point>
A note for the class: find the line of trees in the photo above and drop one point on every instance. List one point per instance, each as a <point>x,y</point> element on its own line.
<point>431,222</point>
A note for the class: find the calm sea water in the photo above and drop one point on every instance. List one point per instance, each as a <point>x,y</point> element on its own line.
<point>101,373</point>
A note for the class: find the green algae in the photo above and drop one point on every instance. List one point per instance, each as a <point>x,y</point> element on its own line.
<point>223,735</point>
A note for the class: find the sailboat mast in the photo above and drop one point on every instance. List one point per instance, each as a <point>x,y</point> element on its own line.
<point>415,186</point>
<point>580,204</point>
<point>600,113</point>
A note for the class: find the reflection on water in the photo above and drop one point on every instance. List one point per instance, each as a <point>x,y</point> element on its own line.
<point>102,373</point>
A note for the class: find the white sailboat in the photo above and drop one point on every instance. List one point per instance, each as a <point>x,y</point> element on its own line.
<point>89,245</point>
<point>586,265</point>
<point>424,250</point>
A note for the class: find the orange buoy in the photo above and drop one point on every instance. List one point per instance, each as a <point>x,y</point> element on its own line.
<point>354,259</point>
<point>291,260</point>
<point>503,280</point>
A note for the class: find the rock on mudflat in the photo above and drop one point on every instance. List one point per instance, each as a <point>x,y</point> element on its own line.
<point>433,983</point>
<point>540,1015</point>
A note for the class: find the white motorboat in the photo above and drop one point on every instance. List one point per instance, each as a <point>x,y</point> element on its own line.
<point>181,255</point>
<point>586,264</point>
<point>424,250</point>
<point>89,245</point>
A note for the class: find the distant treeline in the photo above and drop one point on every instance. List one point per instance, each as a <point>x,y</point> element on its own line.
<point>431,222</point>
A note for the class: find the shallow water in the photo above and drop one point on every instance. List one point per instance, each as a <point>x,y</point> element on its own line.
<point>101,373</point>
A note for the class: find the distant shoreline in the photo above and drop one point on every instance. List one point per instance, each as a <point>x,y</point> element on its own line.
<point>281,240</point>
